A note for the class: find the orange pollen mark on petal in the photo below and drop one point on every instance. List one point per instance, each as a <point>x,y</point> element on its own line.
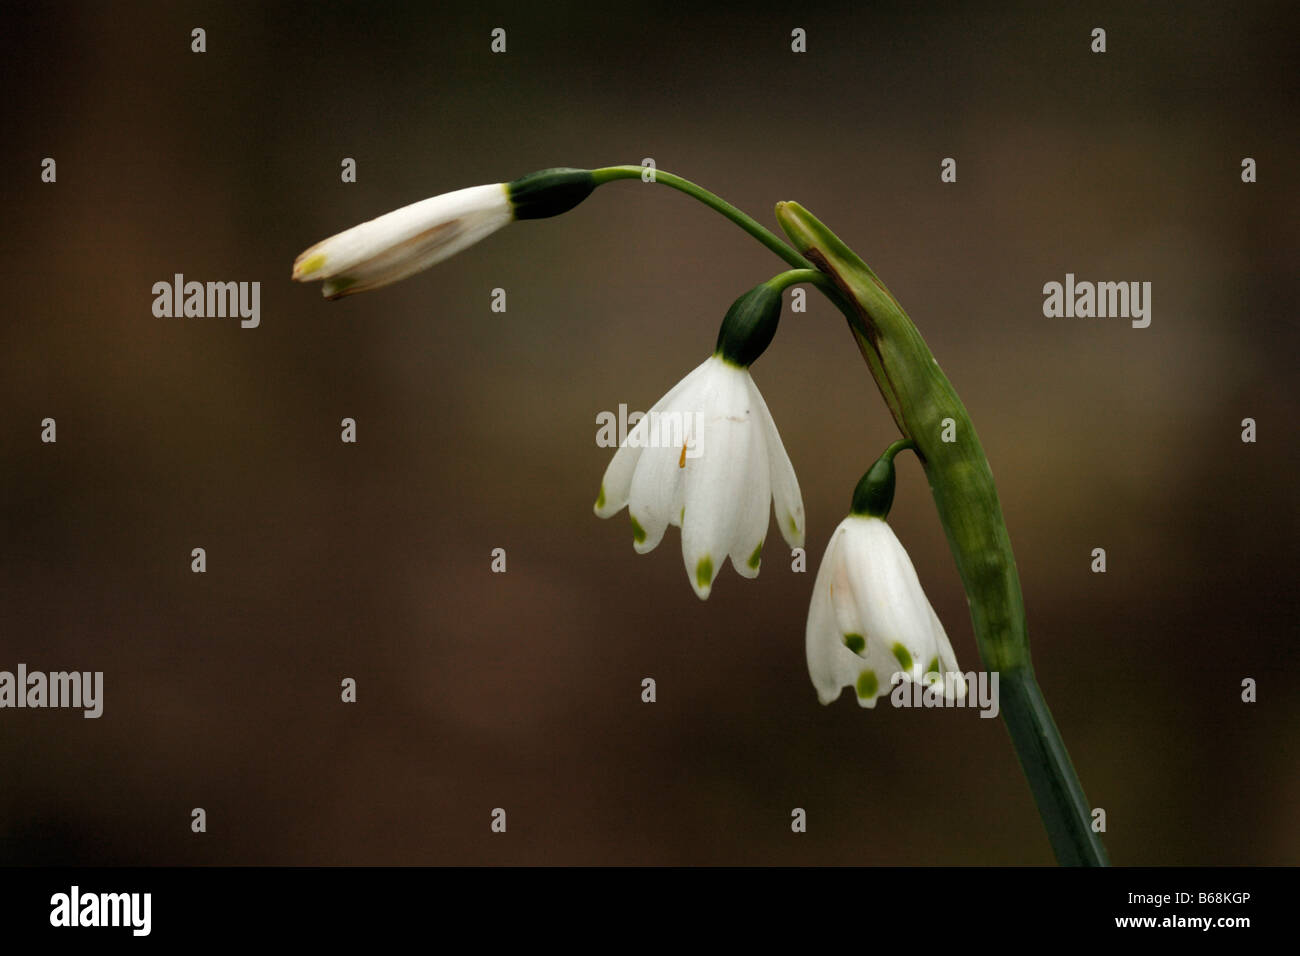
<point>681,462</point>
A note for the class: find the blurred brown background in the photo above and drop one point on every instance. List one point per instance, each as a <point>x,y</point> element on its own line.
<point>476,430</point>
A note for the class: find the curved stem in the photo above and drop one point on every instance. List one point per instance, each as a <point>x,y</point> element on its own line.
<point>713,201</point>
<point>896,446</point>
<point>784,280</point>
<point>808,272</point>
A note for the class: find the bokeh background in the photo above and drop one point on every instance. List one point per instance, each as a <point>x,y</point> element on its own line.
<point>477,430</point>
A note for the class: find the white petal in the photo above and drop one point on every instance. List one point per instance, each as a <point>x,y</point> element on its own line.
<point>405,241</point>
<point>844,598</point>
<point>831,664</point>
<point>714,479</point>
<point>616,485</point>
<point>823,638</point>
<point>755,494</point>
<point>785,486</point>
<point>954,686</point>
<point>353,247</point>
<point>654,494</point>
<point>895,612</point>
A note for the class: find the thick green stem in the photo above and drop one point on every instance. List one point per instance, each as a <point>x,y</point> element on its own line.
<point>929,412</point>
<point>1051,775</point>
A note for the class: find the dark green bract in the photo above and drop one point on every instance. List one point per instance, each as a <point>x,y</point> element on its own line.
<point>549,192</point>
<point>749,325</point>
<point>874,495</point>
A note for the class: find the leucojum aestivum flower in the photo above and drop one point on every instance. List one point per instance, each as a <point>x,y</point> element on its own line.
<point>709,460</point>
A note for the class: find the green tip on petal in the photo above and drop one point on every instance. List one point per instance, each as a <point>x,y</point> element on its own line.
<point>311,264</point>
<point>756,557</point>
<point>867,685</point>
<point>855,642</point>
<point>904,658</point>
<point>600,498</point>
<point>333,288</point>
<point>638,532</point>
<point>704,572</point>
<point>933,666</point>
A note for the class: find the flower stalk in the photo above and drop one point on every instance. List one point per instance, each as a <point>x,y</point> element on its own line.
<point>713,201</point>
<point>930,414</point>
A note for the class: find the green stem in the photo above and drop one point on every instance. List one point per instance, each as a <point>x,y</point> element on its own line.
<point>713,201</point>
<point>783,280</point>
<point>896,446</point>
<point>1047,766</point>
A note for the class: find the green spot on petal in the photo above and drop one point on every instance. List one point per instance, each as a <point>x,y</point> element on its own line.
<point>933,666</point>
<point>855,642</point>
<point>868,685</point>
<point>904,658</point>
<point>794,525</point>
<point>756,557</point>
<point>704,572</point>
<point>638,532</point>
<point>600,498</point>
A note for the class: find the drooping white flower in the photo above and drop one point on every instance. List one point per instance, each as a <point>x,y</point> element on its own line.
<point>403,242</point>
<point>869,618</point>
<point>707,458</point>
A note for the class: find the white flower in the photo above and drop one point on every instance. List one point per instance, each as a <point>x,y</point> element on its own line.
<point>870,620</point>
<point>714,480</point>
<point>403,242</point>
